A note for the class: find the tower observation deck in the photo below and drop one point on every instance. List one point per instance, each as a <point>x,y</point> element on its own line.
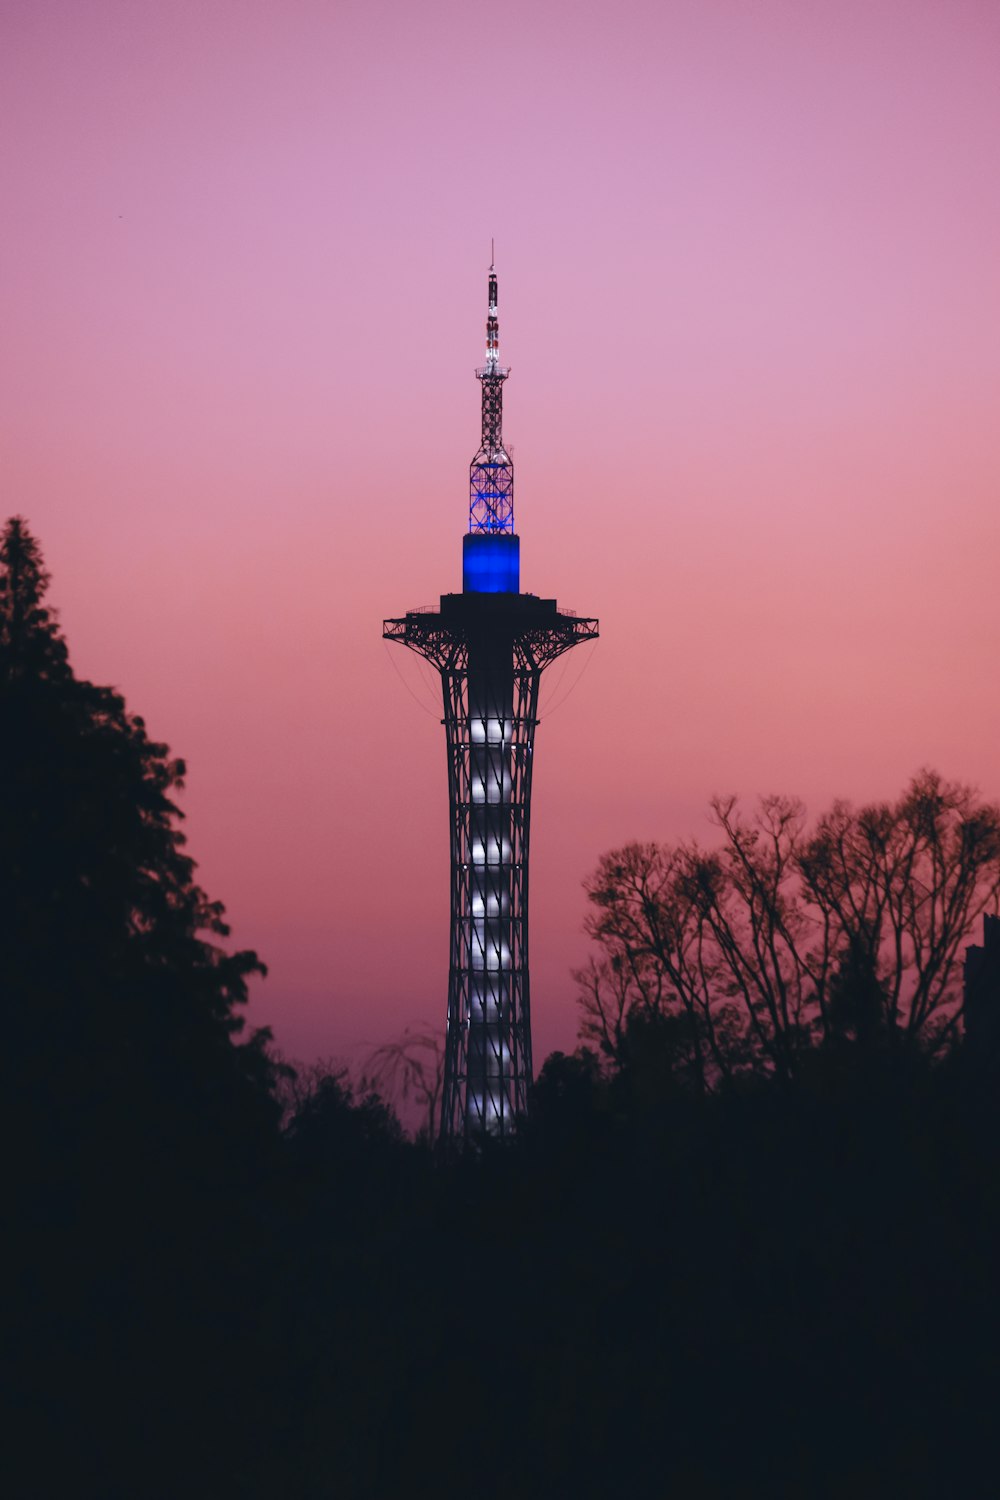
<point>490,644</point>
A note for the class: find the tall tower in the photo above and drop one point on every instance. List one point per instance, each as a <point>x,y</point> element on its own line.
<point>490,644</point>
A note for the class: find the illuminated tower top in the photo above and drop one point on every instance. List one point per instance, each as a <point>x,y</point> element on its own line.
<point>492,326</point>
<point>491,551</point>
<point>491,474</point>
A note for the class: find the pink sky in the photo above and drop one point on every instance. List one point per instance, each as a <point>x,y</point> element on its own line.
<point>749,257</point>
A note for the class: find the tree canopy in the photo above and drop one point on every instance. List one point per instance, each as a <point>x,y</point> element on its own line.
<point>115,980</point>
<point>785,937</point>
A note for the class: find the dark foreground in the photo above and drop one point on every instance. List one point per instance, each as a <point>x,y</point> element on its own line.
<point>779,1290</point>
<point>773,1294</point>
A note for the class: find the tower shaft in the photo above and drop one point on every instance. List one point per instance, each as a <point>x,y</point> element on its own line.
<point>490,650</point>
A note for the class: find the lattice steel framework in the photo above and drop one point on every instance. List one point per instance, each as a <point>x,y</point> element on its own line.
<point>491,644</point>
<point>491,473</point>
<point>491,651</point>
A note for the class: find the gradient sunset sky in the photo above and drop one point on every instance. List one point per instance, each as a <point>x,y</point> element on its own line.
<point>749,257</point>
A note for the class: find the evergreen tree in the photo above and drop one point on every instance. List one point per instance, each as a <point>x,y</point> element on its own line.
<point>30,643</point>
<point>119,1004</point>
<point>140,1118</point>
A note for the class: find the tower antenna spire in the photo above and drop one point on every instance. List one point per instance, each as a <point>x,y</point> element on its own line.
<point>491,474</point>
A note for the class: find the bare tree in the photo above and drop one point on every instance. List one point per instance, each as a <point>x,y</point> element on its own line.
<point>298,1082</point>
<point>781,938</point>
<point>903,886</point>
<point>410,1068</point>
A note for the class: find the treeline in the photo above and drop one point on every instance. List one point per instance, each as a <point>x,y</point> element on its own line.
<point>747,1243</point>
<point>785,938</point>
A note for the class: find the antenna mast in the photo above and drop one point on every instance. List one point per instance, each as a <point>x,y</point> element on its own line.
<point>491,473</point>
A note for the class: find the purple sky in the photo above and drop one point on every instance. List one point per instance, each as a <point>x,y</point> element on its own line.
<point>749,263</point>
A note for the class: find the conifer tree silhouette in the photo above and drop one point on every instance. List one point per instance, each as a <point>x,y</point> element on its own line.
<point>118,1003</point>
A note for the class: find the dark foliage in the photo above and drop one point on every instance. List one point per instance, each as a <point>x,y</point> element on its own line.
<point>783,938</point>
<point>784,1285</point>
<point>137,1118</point>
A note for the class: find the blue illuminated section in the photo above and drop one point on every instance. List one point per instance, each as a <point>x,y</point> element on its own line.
<point>491,562</point>
<point>491,491</point>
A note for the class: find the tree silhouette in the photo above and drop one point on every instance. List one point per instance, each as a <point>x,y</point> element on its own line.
<point>328,1125</point>
<point>411,1067</point>
<point>115,987</point>
<point>30,643</point>
<point>140,1116</point>
<point>782,938</point>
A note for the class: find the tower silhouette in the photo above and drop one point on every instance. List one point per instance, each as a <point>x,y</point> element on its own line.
<point>490,644</point>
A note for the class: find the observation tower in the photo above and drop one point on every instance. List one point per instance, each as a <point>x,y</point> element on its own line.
<point>491,644</point>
